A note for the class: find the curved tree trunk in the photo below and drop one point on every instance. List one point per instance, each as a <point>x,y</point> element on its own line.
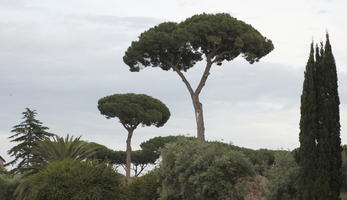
<point>128,154</point>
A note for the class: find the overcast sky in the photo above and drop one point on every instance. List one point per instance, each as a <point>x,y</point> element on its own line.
<point>60,57</point>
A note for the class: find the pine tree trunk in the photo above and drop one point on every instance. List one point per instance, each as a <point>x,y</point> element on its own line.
<point>128,154</point>
<point>199,117</point>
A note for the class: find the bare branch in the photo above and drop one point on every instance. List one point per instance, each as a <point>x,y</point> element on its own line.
<point>204,76</point>
<point>185,81</point>
<point>143,166</point>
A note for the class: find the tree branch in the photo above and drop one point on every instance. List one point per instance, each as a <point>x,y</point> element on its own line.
<point>185,81</point>
<point>143,166</point>
<point>220,55</point>
<point>204,76</point>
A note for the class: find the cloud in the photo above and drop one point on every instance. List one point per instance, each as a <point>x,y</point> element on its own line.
<point>323,11</point>
<point>127,22</point>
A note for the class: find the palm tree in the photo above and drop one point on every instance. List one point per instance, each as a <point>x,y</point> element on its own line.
<point>61,148</point>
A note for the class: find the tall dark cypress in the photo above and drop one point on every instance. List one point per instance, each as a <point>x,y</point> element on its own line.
<point>320,149</point>
<point>329,142</point>
<point>308,132</point>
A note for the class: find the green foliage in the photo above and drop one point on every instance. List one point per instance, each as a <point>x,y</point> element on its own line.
<point>59,149</point>
<point>319,155</point>
<point>307,153</point>
<point>283,177</point>
<point>155,144</point>
<point>193,170</point>
<point>140,159</point>
<point>134,109</point>
<point>217,36</point>
<point>75,180</point>
<point>261,159</point>
<point>27,133</point>
<point>3,170</point>
<point>106,155</point>
<point>8,184</point>
<point>145,187</point>
<point>224,37</point>
<point>329,149</point>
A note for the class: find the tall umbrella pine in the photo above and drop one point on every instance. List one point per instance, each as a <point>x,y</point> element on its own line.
<point>308,132</point>
<point>179,46</point>
<point>329,141</point>
<point>133,110</point>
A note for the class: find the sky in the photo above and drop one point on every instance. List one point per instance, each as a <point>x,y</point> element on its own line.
<point>60,57</point>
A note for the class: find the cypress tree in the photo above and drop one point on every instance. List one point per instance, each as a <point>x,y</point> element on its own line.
<point>27,133</point>
<point>308,132</point>
<point>329,142</point>
<point>319,155</point>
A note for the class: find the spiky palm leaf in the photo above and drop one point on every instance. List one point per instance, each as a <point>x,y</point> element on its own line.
<point>57,149</point>
<point>61,148</point>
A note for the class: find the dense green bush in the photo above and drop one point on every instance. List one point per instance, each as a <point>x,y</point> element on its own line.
<point>8,184</point>
<point>193,170</point>
<point>75,180</point>
<point>283,177</point>
<point>144,187</point>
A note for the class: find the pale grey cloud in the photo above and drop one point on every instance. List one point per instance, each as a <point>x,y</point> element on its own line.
<point>323,11</point>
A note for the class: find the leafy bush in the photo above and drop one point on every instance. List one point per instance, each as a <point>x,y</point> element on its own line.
<point>75,180</point>
<point>144,187</point>
<point>283,177</point>
<point>8,184</point>
<point>193,170</point>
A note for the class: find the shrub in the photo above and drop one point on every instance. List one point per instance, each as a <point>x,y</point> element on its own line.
<point>8,184</point>
<point>283,177</point>
<point>144,187</point>
<point>75,180</point>
<point>193,170</point>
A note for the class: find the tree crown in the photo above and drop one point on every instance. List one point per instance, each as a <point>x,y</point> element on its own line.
<point>134,109</point>
<point>218,37</point>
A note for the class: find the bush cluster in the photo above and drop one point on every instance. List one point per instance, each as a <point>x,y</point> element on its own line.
<point>193,170</point>
<point>75,180</point>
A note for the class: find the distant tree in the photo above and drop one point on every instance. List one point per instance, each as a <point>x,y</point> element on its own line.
<point>179,46</point>
<point>27,134</point>
<point>140,159</point>
<point>133,110</point>
<point>154,145</point>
